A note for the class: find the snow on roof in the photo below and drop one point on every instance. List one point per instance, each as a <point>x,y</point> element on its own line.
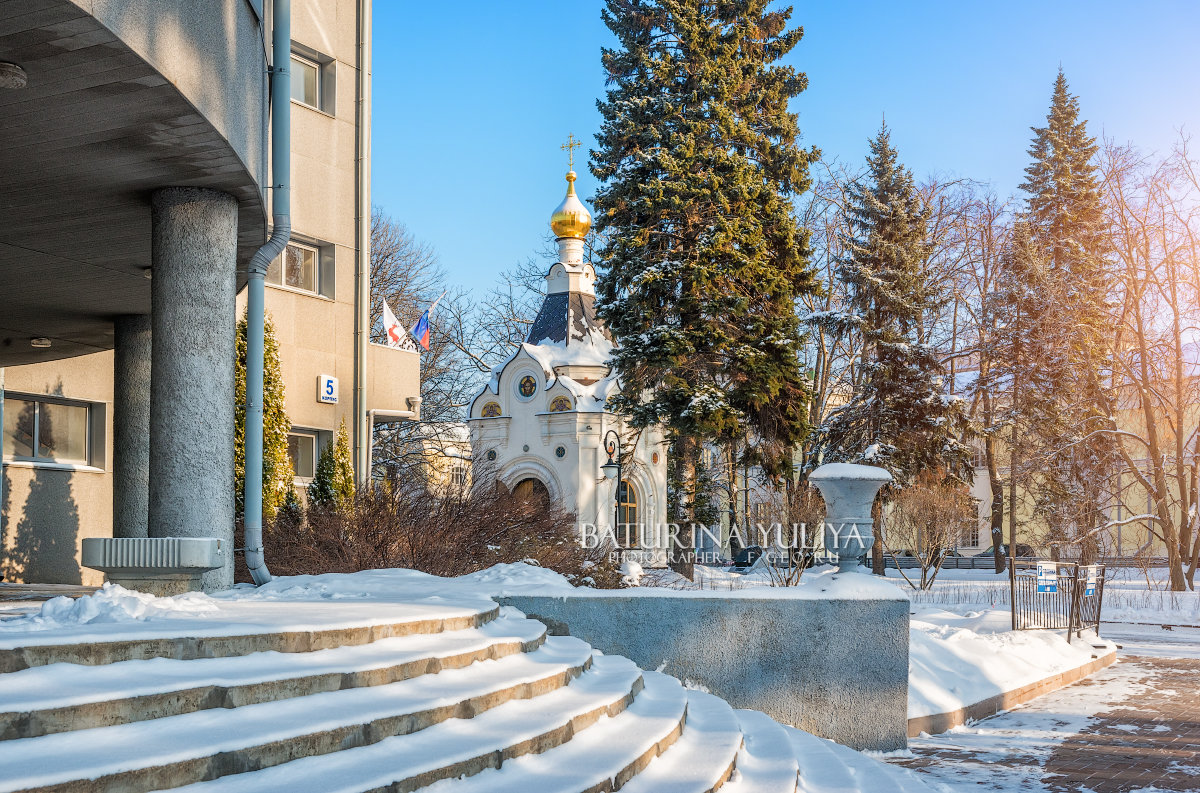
<point>443,431</point>
<point>595,350</point>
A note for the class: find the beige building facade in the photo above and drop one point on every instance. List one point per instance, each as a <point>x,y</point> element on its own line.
<point>58,426</point>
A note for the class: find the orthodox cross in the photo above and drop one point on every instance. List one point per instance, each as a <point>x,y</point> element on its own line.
<point>569,147</point>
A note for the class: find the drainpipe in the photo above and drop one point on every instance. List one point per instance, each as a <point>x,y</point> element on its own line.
<point>362,299</point>
<point>1,453</point>
<point>281,230</point>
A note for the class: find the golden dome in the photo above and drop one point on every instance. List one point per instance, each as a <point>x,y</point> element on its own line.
<point>571,220</point>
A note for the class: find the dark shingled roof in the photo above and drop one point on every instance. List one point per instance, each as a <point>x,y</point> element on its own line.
<point>552,321</point>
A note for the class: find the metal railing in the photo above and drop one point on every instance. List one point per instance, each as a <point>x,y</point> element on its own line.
<point>1073,605</point>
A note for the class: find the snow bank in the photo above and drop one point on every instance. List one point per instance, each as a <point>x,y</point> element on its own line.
<point>111,604</point>
<point>957,660</point>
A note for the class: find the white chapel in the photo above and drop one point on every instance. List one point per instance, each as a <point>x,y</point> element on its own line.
<point>541,423</point>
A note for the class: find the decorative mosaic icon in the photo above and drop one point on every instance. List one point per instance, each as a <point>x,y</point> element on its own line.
<point>560,452</point>
<point>527,386</point>
<point>560,404</point>
<point>491,410</point>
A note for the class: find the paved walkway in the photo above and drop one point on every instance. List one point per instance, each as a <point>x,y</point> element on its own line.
<point>1132,727</point>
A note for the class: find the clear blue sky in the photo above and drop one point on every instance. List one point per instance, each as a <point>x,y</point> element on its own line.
<point>473,99</point>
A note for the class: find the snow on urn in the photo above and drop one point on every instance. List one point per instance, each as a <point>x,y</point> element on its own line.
<point>849,491</point>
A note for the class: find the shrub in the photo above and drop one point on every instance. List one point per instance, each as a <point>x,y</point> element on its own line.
<point>277,466</point>
<point>448,532</point>
<point>332,486</point>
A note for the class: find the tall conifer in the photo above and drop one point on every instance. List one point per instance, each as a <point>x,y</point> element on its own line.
<point>702,258</point>
<point>900,416</point>
<point>277,466</point>
<point>1066,220</point>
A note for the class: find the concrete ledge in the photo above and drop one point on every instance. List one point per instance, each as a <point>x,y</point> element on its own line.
<point>162,566</point>
<point>941,722</point>
<point>836,667</point>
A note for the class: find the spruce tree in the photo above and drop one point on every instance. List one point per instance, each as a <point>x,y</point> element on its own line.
<point>1065,215</point>
<point>702,259</point>
<point>900,416</point>
<point>1027,357</point>
<point>332,486</point>
<point>277,465</point>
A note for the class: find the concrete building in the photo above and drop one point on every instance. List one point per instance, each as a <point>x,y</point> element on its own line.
<point>541,424</point>
<point>135,167</point>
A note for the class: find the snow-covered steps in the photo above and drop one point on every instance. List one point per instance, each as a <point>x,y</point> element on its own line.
<point>603,757</point>
<point>61,697</point>
<point>703,757</point>
<point>238,628</point>
<point>827,767</point>
<point>604,695</point>
<point>178,750</point>
<point>767,762</point>
<point>435,694</point>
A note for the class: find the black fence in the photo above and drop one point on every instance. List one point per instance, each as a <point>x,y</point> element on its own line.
<point>1072,605</point>
<point>951,562</point>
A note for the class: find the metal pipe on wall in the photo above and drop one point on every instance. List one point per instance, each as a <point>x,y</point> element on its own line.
<point>362,299</point>
<point>281,230</point>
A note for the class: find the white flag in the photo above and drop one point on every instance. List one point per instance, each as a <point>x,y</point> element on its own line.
<point>397,336</point>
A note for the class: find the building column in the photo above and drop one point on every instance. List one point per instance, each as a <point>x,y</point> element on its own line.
<point>193,291</point>
<point>131,426</point>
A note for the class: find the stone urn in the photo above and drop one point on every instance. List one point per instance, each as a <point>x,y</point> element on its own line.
<point>849,491</point>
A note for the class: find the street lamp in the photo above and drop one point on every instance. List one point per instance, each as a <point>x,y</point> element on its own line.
<point>612,470</point>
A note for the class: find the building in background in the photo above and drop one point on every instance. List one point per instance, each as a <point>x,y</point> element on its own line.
<point>135,163</point>
<point>541,424</point>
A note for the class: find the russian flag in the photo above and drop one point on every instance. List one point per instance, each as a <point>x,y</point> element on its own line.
<point>420,331</point>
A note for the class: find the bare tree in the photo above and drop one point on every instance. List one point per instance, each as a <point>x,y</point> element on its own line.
<point>925,521</point>
<point>1153,222</point>
<point>469,335</point>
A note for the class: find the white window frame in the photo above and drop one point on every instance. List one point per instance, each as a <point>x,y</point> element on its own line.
<point>316,446</point>
<point>317,267</point>
<point>89,445</point>
<point>318,67</point>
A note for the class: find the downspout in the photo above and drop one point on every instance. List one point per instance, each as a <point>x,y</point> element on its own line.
<point>1,451</point>
<point>362,284</point>
<point>281,230</point>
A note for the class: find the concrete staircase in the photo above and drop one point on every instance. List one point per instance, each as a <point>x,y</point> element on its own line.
<point>482,702</point>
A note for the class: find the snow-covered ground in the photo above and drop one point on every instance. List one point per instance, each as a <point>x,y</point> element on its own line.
<point>1130,595</point>
<point>1008,753</point>
<point>1027,749</point>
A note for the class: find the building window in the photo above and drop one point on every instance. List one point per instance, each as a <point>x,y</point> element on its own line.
<point>970,538</point>
<point>302,449</point>
<point>298,267</point>
<point>46,430</point>
<point>306,81</point>
<point>458,475</point>
<point>978,456</point>
<point>628,530</point>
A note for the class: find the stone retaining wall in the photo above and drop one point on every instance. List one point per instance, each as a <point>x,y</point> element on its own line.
<point>837,668</point>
